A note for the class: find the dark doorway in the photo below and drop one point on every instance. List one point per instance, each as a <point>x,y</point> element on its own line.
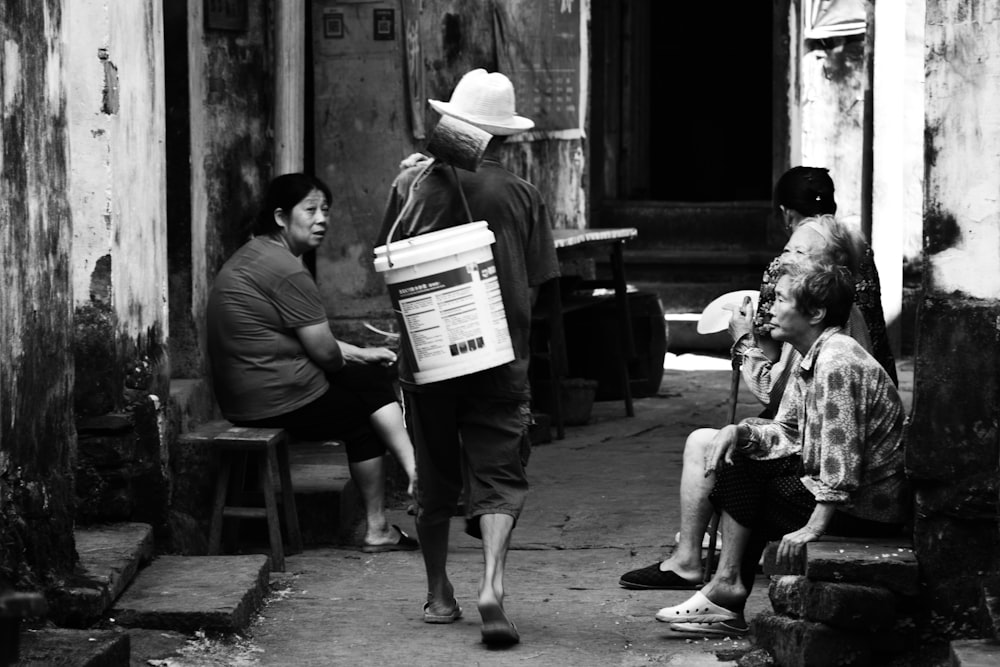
<point>683,101</point>
<point>710,101</point>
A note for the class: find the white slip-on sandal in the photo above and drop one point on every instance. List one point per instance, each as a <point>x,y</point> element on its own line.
<point>717,629</point>
<point>697,609</point>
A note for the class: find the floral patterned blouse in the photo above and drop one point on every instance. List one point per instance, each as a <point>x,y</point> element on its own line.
<point>844,416</point>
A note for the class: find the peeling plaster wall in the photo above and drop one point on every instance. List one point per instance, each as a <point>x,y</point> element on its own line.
<point>954,444</point>
<point>116,126</point>
<point>962,214</point>
<point>117,183</point>
<point>897,155</point>
<point>230,88</point>
<point>36,366</point>
<point>94,80</point>
<point>832,113</point>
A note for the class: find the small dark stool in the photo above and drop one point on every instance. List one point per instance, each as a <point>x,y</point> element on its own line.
<point>270,448</point>
<point>15,606</point>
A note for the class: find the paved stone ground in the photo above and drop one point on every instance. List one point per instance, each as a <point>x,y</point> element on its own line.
<point>603,501</point>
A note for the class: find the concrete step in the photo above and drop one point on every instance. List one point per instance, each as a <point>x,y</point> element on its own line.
<point>190,593</point>
<point>792,641</point>
<point>887,562</point>
<point>718,225</point>
<point>74,648</point>
<point>991,605</point>
<point>728,267</point>
<point>841,605</point>
<point>974,653</point>
<point>110,556</point>
<point>325,497</point>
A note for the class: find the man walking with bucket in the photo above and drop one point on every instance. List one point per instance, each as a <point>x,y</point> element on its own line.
<point>471,431</point>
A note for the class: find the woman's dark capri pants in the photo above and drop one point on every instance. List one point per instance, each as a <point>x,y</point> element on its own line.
<point>343,412</point>
<point>769,498</point>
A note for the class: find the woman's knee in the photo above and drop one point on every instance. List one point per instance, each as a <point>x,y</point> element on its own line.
<point>697,442</point>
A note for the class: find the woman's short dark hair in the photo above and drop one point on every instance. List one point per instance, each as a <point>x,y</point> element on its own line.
<point>808,190</point>
<point>285,192</point>
<point>815,286</point>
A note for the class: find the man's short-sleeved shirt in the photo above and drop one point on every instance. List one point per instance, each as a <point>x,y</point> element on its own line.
<point>524,253</point>
<point>259,367</point>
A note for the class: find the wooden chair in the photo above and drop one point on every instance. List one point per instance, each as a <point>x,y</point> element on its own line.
<point>235,447</point>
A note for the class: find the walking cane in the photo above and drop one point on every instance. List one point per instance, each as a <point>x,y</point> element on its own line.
<point>713,526</point>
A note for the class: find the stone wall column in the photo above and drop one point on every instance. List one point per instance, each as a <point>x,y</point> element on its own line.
<point>953,441</point>
<point>37,434</point>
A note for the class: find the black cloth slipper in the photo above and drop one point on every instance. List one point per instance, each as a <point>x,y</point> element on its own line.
<point>652,578</point>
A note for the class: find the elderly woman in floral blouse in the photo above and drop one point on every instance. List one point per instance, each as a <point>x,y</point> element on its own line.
<point>768,363</point>
<point>804,193</point>
<point>830,462</point>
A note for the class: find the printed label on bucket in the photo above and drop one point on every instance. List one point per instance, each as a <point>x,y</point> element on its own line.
<point>455,321</point>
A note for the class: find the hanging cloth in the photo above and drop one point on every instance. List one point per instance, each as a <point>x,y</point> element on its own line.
<point>833,18</point>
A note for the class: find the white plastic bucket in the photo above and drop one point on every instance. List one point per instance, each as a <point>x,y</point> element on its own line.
<point>446,294</point>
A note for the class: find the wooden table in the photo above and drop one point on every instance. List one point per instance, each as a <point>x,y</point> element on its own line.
<point>576,244</point>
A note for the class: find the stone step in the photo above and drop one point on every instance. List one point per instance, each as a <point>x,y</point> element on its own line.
<point>110,556</point>
<point>190,593</point>
<point>325,497</point>
<point>844,606</point>
<point>887,562</point>
<point>991,605</point>
<point>692,224</point>
<point>741,267</point>
<point>797,642</point>
<point>74,648</point>
<point>974,653</point>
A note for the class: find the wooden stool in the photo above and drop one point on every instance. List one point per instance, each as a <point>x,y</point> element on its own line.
<point>270,447</point>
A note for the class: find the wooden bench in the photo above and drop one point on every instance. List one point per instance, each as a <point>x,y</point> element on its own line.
<point>236,446</point>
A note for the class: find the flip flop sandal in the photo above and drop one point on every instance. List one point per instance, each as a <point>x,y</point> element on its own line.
<point>404,543</point>
<point>717,629</point>
<point>697,609</point>
<point>442,619</point>
<point>498,630</point>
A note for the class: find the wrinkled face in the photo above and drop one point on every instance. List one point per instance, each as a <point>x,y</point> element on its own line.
<point>303,229</point>
<point>806,242</point>
<point>787,323</point>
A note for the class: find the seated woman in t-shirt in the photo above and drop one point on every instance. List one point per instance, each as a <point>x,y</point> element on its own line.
<point>276,363</point>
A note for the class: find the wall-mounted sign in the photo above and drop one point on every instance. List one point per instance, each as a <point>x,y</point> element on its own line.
<point>539,48</point>
<point>333,25</point>
<point>226,15</point>
<point>384,21</point>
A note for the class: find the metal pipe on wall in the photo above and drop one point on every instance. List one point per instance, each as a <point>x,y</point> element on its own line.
<point>289,86</point>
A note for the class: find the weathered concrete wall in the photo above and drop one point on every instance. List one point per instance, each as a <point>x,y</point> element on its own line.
<point>831,112</point>
<point>363,129</point>
<point>230,92</point>
<point>116,187</point>
<point>897,155</point>
<point>220,173</point>
<point>954,441</point>
<point>116,131</point>
<point>36,327</point>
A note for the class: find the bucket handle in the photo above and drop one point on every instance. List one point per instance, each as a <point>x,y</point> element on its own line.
<point>409,193</point>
